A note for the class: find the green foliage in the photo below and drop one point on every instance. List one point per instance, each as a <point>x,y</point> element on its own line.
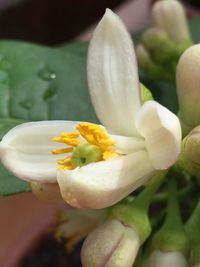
<point>39,83</point>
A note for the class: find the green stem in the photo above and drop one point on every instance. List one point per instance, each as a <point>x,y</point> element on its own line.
<point>172,236</point>
<point>173,218</point>
<point>193,224</point>
<point>144,199</point>
<point>162,197</point>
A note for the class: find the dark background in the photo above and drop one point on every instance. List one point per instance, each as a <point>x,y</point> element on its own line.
<point>52,21</point>
<point>49,21</point>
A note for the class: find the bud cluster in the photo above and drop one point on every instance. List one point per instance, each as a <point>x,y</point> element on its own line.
<point>164,42</point>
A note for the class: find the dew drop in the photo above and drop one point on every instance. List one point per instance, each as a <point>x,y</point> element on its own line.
<point>46,74</point>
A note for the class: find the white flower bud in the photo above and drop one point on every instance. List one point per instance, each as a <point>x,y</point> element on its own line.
<point>166,259</point>
<point>110,245</point>
<point>188,87</point>
<point>169,15</point>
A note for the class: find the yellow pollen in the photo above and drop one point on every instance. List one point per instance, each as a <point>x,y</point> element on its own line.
<point>94,134</point>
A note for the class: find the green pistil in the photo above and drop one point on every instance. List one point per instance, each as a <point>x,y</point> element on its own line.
<point>85,154</point>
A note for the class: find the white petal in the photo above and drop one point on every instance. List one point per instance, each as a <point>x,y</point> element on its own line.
<point>127,145</point>
<point>113,75</point>
<point>26,149</point>
<point>162,132</point>
<point>104,183</point>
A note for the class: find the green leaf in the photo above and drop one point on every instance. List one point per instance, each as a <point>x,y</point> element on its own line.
<point>40,83</point>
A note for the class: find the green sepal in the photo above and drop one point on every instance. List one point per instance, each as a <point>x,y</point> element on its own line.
<point>146,94</point>
<point>134,217</point>
<point>171,239</point>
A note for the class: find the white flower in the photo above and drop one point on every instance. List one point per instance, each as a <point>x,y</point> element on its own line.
<point>166,259</point>
<point>145,138</point>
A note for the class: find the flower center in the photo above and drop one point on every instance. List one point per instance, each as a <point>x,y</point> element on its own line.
<point>96,145</point>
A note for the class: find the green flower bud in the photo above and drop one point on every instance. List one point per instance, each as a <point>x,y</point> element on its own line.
<point>165,259</point>
<point>188,88</point>
<point>85,154</point>
<point>110,245</point>
<point>190,154</point>
<point>161,49</point>
<point>169,15</point>
<point>154,71</point>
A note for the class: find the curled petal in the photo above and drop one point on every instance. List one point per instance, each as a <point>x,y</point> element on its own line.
<point>113,75</point>
<point>104,183</point>
<point>26,150</point>
<point>162,132</point>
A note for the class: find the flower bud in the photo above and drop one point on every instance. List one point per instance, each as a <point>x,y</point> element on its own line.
<point>160,47</point>
<point>165,259</point>
<point>47,192</point>
<point>154,71</point>
<point>110,245</point>
<point>169,15</point>
<point>190,155</point>
<point>188,88</point>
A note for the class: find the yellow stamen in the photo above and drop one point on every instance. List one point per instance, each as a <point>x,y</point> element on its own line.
<point>67,140</point>
<point>109,155</point>
<point>65,164</point>
<point>95,134</point>
<point>63,150</point>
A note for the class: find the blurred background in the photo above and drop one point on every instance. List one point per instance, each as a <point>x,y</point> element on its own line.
<point>54,22</point>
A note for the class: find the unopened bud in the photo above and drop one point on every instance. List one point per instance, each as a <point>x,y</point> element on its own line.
<point>190,154</point>
<point>110,245</point>
<point>152,38</point>
<point>188,87</point>
<point>143,57</point>
<point>47,192</point>
<point>160,47</point>
<point>169,15</point>
<point>165,259</point>
<point>153,70</point>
